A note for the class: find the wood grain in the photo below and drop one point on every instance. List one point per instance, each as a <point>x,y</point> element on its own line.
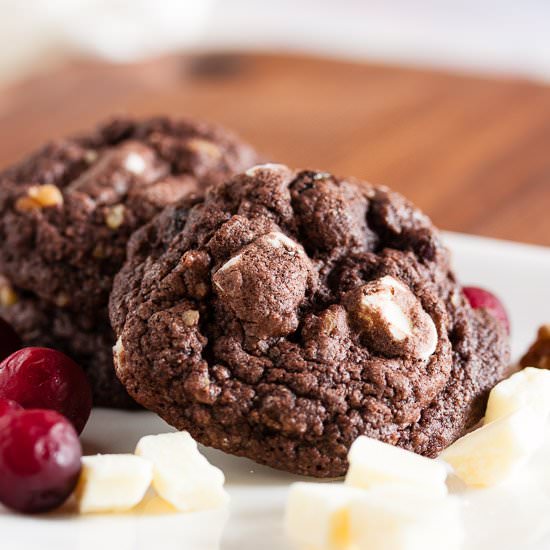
<point>474,153</point>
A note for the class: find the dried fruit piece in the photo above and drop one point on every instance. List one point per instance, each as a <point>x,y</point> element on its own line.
<point>7,406</point>
<point>42,378</point>
<point>39,460</point>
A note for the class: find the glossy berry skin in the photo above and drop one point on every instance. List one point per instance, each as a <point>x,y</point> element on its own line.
<point>481,298</point>
<point>7,406</point>
<point>39,460</point>
<point>42,378</point>
<point>9,340</point>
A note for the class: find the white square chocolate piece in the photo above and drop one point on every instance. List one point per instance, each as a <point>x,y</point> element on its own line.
<point>317,515</point>
<point>181,474</point>
<point>492,453</point>
<point>112,483</point>
<point>530,386</point>
<point>394,518</point>
<point>373,463</point>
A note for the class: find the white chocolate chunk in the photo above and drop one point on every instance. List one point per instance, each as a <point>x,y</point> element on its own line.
<point>393,518</point>
<point>373,463</point>
<point>181,474</point>
<point>278,239</point>
<point>392,318</point>
<point>230,263</point>
<point>135,163</point>
<point>530,386</point>
<point>268,166</point>
<point>399,324</point>
<point>492,453</point>
<point>383,301</point>
<point>317,515</point>
<point>112,483</point>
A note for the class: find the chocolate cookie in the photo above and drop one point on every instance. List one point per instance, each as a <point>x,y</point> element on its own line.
<point>66,214</point>
<point>288,313</point>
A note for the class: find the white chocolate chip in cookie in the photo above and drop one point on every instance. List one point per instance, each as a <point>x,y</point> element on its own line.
<point>232,262</point>
<point>278,239</point>
<point>118,353</point>
<point>135,163</point>
<point>392,319</point>
<point>265,283</point>
<point>265,167</point>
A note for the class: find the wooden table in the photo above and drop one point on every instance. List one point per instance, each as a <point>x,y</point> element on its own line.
<point>474,153</point>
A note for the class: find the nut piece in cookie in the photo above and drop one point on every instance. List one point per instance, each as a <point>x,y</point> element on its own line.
<point>391,319</point>
<point>67,212</point>
<point>38,197</point>
<point>265,283</point>
<point>538,354</point>
<point>8,296</point>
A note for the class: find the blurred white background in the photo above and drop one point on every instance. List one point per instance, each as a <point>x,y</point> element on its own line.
<point>496,36</point>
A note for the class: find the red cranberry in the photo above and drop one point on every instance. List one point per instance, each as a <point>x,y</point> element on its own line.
<point>39,460</point>
<point>481,298</point>
<point>42,378</point>
<point>7,406</point>
<point>9,341</point>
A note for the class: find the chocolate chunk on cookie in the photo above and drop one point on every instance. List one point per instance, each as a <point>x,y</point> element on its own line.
<point>68,210</point>
<point>288,313</point>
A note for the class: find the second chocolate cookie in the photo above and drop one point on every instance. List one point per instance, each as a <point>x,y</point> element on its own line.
<point>67,211</point>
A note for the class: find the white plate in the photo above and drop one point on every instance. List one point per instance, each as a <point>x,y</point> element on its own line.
<point>510,517</point>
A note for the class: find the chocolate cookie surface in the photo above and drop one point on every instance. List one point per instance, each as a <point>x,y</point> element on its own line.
<point>289,313</point>
<point>67,211</point>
